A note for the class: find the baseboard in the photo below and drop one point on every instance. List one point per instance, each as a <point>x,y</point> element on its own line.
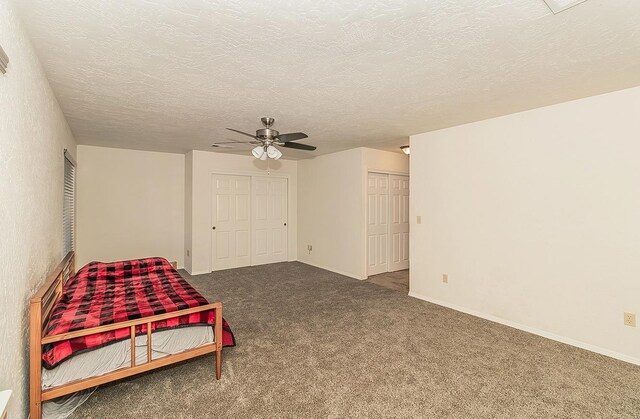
<point>327,268</point>
<point>200,273</point>
<point>194,273</point>
<point>533,330</point>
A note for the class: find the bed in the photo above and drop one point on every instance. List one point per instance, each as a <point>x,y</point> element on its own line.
<point>115,320</point>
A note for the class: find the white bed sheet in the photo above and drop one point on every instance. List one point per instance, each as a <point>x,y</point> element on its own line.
<point>112,357</point>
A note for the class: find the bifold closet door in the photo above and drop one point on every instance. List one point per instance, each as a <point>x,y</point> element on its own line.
<point>377,223</point>
<point>231,222</point>
<point>398,223</point>
<point>269,220</point>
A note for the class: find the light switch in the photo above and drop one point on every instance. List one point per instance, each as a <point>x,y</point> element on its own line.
<point>419,219</point>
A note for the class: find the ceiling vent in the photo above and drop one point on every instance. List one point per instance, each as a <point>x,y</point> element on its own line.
<point>558,6</point>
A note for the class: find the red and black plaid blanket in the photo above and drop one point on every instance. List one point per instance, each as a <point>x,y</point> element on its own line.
<point>107,293</point>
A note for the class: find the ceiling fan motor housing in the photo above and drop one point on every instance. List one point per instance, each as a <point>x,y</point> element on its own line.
<point>266,133</point>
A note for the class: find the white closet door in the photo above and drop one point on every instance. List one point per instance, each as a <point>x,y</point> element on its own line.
<point>377,223</point>
<point>269,220</point>
<point>399,223</point>
<point>230,234</point>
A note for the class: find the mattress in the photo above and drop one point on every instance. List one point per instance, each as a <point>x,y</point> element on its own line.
<point>109,293</point>
<point>115,356</point>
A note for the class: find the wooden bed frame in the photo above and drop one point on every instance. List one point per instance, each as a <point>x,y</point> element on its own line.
<point>40,308</point>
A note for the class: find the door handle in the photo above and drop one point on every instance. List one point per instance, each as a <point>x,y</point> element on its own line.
<point>214,227</point>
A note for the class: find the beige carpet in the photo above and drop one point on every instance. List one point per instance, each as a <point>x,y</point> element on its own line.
<point>313,344</point>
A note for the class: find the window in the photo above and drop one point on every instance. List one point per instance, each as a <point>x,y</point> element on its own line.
<point>69,206</point>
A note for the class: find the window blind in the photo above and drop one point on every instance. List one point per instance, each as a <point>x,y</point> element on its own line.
<point>69,208</point>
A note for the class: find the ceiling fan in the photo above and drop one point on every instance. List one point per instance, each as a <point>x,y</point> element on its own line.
<point>266,140</point>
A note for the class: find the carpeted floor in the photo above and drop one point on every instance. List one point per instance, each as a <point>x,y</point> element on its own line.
<point>314,344</point>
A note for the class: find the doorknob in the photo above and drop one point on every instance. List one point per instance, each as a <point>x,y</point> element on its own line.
<point>285,224</point>
<point>214,227</point>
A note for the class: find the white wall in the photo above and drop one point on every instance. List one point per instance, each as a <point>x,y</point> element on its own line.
<point>384,161</point>
<point>535,217</point>
<point>130,204</point>
<point>329,193</point>
<point>33,135</point>
<point>188,210</point>
<point>331,207</point>
<point>203,165</point>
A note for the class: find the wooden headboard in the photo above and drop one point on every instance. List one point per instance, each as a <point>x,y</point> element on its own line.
<point>50,291</point>
<point>40,307</point>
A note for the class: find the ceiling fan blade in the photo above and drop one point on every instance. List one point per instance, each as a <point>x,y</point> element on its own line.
<point>234,142</point>
<point>299,146</point>
<point>293,136</point>
<point>243,133</point>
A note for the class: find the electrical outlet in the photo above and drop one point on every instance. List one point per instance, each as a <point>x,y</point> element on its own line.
<point>630,319</point>
<point>309,248</point>
<point>445,278</point>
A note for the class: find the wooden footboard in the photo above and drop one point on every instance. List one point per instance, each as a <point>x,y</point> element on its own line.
<point>40,308</point>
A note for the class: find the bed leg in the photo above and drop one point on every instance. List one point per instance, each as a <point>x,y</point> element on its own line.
<point>218,338</point>
<point>35,410</point>
<point>35,360</point>
<point>35,400</point>
<point>218,364</point>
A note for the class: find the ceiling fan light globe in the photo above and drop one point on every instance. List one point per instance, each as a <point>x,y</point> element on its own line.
<point>272,152</point>
<point>258,152</point>
<point>278,155</point>
<point>263,156</point>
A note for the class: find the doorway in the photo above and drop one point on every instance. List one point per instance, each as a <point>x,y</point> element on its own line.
<point>387,223</point>
<point>269,220</point>
<point>249,221</point>
<point>231,223</point>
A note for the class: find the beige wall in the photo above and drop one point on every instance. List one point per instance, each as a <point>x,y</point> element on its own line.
<point>535,218</point>
<point>329,193</point>
<point>130,204</point>
<point>33,135</point>
<point>384,161</point>
<point>203,165</point>
<point>331,207</point>
<point>188,210</point>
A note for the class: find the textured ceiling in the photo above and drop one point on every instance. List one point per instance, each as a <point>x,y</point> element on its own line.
<point>171,75</point>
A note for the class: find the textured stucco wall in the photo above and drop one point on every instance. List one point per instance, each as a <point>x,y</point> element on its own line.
<point>33,134</point>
